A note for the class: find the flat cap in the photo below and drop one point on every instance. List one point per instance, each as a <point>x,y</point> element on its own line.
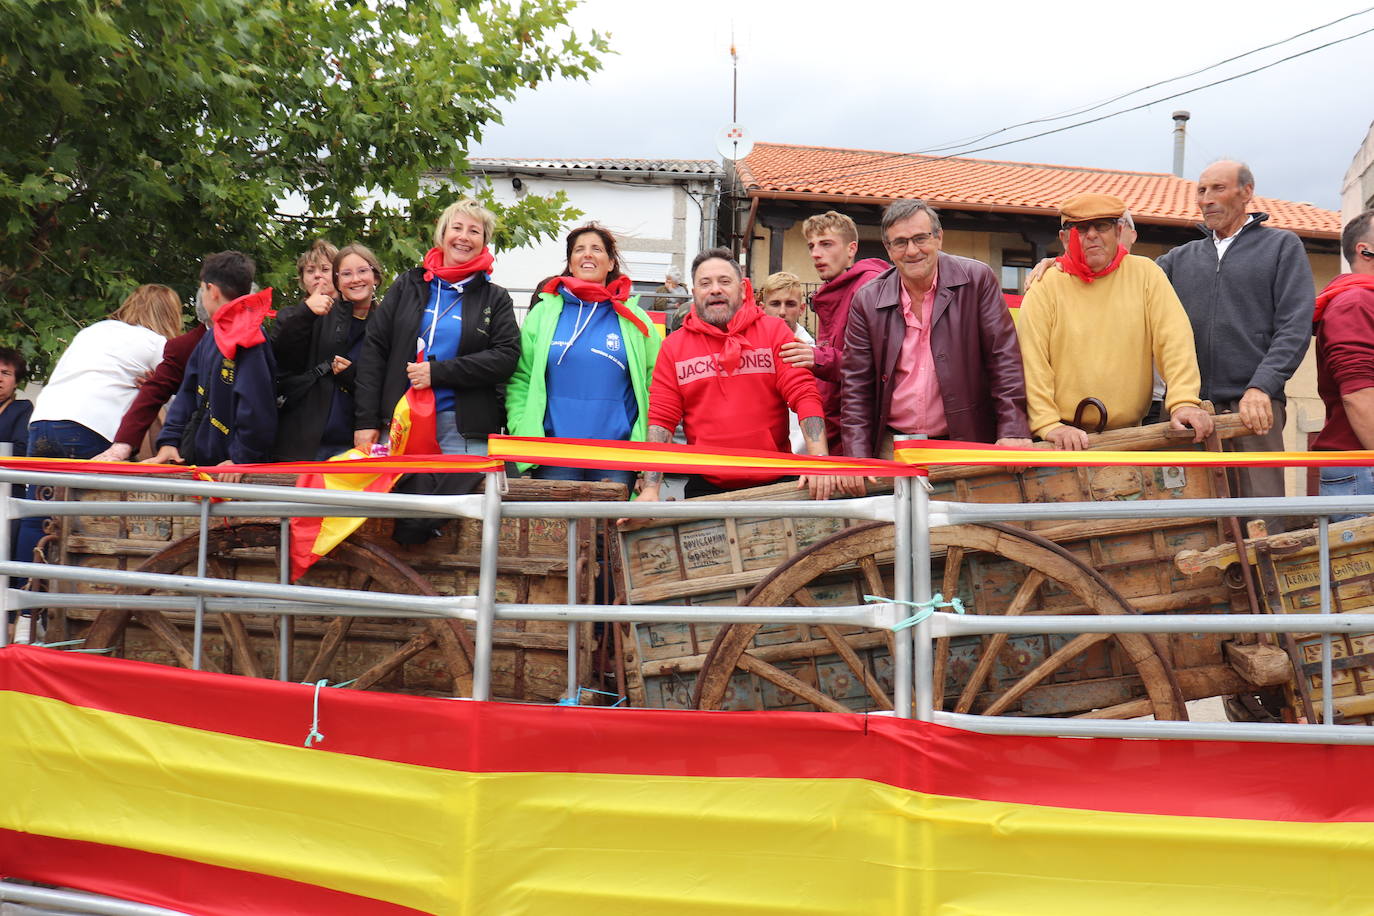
<point>1091,206</point>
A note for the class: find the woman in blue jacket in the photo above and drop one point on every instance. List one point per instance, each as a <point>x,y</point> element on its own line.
<point>587,352</point>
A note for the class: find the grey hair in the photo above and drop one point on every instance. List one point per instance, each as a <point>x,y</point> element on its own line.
<point>674,273</point>
<point>716,254</point>
<point>1126,219</point>
<point>1244,177</point>
<point>899,210</point>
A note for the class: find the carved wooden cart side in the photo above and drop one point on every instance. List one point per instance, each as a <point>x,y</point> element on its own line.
<point>413,656</point>
<point>1095,567</point>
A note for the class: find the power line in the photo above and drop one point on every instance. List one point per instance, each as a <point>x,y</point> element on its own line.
<point>834,173</point>
<point>1084,110</point>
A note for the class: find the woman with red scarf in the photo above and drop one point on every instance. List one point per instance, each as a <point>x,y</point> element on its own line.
<point>442,326</point>
<point>587,352</point>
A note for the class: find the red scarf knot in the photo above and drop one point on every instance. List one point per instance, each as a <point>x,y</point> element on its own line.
<point>238,324</point>
<point>1073,263</point>
<point>588,291</point>
<point>434,266</point>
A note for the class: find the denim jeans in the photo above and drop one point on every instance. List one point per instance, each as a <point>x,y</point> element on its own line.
<point>1347,482</point>
<point>52,439</point>
<point>452,442</point>
<point>550,472</point>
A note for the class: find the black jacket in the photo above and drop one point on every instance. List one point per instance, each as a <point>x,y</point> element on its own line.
<point>305,345</point>
<point>487,355</point>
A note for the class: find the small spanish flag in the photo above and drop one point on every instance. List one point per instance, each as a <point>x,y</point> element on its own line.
<point>412,433</point>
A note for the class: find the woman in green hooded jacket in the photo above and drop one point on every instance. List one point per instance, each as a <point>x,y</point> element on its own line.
<point>587,352</point>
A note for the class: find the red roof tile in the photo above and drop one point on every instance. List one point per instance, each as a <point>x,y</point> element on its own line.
<point>800,172</point>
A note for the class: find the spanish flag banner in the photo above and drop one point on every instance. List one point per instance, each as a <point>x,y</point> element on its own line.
<point>684,459</point>
<point>938,453</point>
<point>194,791</point>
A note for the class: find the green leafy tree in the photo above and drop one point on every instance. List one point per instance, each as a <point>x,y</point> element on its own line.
<point>136,136</point>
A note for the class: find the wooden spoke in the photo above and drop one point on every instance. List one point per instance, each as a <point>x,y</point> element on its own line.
<point>789,683</point>
<point>1071,649</point>
<point>873,581</point>
<point>949,588</point>
<point>856,665</point>
<point>993,647</point>
<point>413,647</point>
<point>334,636</point>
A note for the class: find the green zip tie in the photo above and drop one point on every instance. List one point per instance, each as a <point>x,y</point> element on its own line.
<point>923,608</point>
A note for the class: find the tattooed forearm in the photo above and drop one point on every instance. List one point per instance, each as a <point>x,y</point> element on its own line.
<point>656,434</point>
<point>813,431</point>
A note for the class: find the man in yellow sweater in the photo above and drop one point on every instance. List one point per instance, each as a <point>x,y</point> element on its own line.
<point>1097,327</point>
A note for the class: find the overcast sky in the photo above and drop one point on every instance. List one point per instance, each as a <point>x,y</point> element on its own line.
<point>909,76</point>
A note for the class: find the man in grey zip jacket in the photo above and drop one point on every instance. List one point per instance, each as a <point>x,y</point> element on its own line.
<point>1248,292</point>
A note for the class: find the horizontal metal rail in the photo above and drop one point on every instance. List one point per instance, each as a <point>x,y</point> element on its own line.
<point>381,604</point>
<point>78,902</point>
<point>949,513</point>
<point>24,600</point>
<point>403,503</point>
<point>869,508</point>
<point>943,624</point>
<point>1275,732</point>
<point>38,508</point>
<point>880,615</point>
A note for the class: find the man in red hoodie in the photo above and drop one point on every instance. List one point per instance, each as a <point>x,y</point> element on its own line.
<point>722,377</point>
<point>833,240</point>
<point>1344,325</point>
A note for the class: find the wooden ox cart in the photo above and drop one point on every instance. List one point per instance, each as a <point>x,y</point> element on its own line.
<point>427,656</point>
<point>1092,567</point>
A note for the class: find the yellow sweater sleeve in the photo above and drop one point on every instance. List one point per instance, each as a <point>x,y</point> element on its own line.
<point>1035,328</point>
<point>1171,336</point>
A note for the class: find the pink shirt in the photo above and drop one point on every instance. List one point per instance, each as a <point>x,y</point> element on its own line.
<point>916,403</point>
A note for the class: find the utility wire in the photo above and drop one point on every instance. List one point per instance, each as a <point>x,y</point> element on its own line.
<point>1084,110</point>
<point>831,173</point>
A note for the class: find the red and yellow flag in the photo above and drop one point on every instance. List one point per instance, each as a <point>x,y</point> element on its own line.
<point>193,791</point>
<point>412,433</point>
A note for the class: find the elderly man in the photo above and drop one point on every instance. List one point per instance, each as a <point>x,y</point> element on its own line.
<point>1344,322</point>
<point>930,347</point>
<point>1095,328</point>
<point>833,241</point>
<point>722,378</point>
<point>1248,292</point>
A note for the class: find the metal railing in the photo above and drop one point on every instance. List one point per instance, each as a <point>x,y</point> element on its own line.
<point>910,509</point>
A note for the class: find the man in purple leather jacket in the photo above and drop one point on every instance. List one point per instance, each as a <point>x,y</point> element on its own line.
<point>930,347</point>
<point>832,240</point>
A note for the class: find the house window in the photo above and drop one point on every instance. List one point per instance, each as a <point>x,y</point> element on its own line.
<point>1015,267</point>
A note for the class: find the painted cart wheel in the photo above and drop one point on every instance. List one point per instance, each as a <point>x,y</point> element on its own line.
<point>355,564</point>
<point>1037,566</point>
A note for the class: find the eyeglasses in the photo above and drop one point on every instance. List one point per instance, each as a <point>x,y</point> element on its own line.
<point>920,241</point>
<point>1103,226</point>
<point>350,274</point>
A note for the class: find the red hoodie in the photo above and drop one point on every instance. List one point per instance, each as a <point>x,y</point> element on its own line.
<point>831,305</point>
<point>1344,325</point>
<point>729,388</point>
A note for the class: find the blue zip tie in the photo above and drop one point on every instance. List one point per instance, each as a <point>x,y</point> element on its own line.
<point>315,733</point>
<point>577,699</point>
<point>923,608</point>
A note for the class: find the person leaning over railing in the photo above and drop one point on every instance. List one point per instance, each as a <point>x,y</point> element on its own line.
<point>723,378</point>
<point>445,326</point>
<point>317,343</point>
<point>587,352</point>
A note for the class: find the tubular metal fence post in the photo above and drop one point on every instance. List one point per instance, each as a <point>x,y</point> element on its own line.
<point>285,621</point>
<point>1324,568</point>
<point>572,600</point>
<point>901,589</point>
<point>486,586</point>
<point>6,548</point>
<point>925,647</point>
<point>202,550</point>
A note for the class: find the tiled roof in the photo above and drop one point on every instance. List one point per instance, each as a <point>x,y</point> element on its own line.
<point>799,172</point>
<point>683,166</point>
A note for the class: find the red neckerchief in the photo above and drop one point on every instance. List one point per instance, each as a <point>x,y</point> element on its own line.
<point>1338,286</point>
<point>733,335</point>
<point>239,323</point>
<point>587,291</point>
<point>434,266</point>
<point>1073,263</point>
